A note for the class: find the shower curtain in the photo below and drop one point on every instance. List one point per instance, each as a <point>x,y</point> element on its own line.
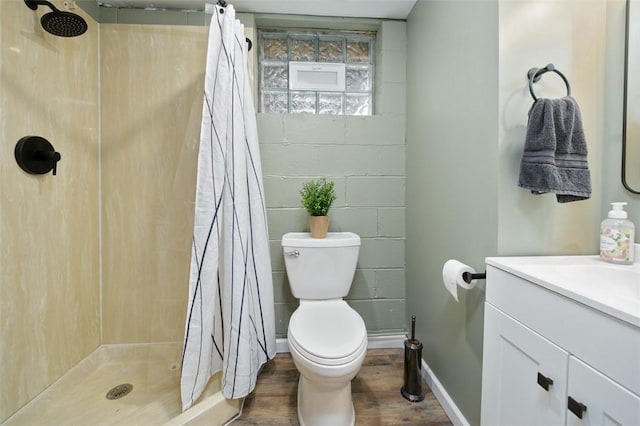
<point>230,317</point>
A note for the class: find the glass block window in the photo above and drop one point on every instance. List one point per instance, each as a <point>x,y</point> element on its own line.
<point>354,49</point>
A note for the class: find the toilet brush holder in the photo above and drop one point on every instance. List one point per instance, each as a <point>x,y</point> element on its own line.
<point>412,389</point>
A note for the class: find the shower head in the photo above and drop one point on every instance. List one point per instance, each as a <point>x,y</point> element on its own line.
<point>57,22</point>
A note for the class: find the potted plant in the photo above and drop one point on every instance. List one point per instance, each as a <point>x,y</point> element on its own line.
<point>317,197</point>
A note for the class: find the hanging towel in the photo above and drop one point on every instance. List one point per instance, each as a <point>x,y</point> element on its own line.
<point>555,151</point>
<point>230,324</point>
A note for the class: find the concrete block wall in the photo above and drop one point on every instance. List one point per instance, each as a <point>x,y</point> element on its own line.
<point>365,157</point>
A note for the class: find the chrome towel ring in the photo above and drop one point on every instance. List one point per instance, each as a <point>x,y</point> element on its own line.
<point>534,74</point>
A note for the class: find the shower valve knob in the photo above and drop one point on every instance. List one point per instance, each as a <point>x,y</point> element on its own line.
<point>36,155</point>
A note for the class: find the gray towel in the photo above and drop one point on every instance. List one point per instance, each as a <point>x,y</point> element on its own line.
<point>555,151</point>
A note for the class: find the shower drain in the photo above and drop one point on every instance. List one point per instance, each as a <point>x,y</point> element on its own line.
<point>119,391</point>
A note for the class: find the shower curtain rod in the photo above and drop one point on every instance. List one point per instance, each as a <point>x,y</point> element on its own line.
<point>223,3</point>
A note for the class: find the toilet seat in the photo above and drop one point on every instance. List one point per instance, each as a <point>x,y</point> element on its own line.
<point>327,332</point>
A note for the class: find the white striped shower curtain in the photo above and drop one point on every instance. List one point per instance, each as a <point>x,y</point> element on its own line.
<point>230,318</point>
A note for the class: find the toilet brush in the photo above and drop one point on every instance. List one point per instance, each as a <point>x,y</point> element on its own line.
<point>412,389</point>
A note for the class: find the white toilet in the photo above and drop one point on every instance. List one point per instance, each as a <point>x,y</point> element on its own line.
<point>327,338</point>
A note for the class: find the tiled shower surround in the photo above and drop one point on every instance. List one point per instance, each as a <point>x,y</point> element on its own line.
<point>49,255</point>
<point>122,104</point>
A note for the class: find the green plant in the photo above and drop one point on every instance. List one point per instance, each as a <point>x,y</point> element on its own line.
<point>317,196</point>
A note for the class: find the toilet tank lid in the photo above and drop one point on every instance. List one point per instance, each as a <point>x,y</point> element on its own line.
<point>333,239</point>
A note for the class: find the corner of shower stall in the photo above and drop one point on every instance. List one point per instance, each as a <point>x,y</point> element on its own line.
<point>126,384</point>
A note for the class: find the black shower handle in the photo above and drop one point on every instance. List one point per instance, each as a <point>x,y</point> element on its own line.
<point>36,155</point>
<point>56,158</point>
<point>51,156</point>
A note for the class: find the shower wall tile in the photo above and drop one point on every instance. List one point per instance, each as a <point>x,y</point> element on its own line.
<point>152,80</point>
<point>49,256</point>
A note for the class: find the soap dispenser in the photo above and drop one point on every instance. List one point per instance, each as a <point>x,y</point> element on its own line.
<point>617,236</point>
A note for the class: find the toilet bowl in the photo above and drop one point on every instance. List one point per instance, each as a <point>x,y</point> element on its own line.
<point>326,337</point>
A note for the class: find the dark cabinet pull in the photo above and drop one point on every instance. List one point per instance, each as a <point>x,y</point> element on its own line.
<point>544,382</point>
<point>577,408</point>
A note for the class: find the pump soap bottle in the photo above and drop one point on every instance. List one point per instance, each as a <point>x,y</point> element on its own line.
<point>617,236</point>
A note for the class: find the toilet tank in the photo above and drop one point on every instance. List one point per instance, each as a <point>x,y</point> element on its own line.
<point>320,268</point>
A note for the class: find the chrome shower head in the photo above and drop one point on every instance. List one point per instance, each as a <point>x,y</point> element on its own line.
<point>57,22</point>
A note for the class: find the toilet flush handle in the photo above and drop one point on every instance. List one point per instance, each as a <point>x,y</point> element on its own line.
<point>294,253</point>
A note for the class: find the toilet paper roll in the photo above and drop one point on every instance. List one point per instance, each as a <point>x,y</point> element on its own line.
<point>452,276</point>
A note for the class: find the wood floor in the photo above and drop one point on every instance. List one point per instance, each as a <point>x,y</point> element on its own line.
<point>376,395</point>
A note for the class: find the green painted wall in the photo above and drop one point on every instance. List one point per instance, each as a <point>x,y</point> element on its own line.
<point>574,41</point>
<point>467,114</point>
<point>452,181</point>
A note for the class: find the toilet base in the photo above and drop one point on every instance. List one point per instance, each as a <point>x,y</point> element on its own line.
<point>320,405</point>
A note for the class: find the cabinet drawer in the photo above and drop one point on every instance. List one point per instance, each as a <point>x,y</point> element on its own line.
<point>606,343</point>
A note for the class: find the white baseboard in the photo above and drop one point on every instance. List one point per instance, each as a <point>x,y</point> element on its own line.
<point>385,342</point>
<point>282,347</point>
<point>448,405</point>
<point>375,342</point>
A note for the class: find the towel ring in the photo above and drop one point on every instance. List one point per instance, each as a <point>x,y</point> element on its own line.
<point>534,74</point>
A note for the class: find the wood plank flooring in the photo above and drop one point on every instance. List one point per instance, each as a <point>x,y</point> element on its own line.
<point>376,395</point>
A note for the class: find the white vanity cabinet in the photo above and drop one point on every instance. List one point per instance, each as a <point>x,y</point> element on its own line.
<point>550,360</point>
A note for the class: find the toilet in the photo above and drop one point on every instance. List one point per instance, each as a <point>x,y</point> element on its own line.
<point>327,338</point>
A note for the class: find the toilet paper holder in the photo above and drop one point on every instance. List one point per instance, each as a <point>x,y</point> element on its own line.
<point>469,276</point>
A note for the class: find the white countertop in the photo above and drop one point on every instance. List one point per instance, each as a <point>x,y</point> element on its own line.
<point>609,288</point>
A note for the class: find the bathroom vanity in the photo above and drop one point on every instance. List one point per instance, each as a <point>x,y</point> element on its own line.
<point>561,342</point>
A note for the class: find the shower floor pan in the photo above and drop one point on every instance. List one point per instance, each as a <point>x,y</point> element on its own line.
<point>153,370</point>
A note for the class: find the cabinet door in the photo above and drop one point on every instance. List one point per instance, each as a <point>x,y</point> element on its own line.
<point>604,401</point>
<point>524,376</point>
